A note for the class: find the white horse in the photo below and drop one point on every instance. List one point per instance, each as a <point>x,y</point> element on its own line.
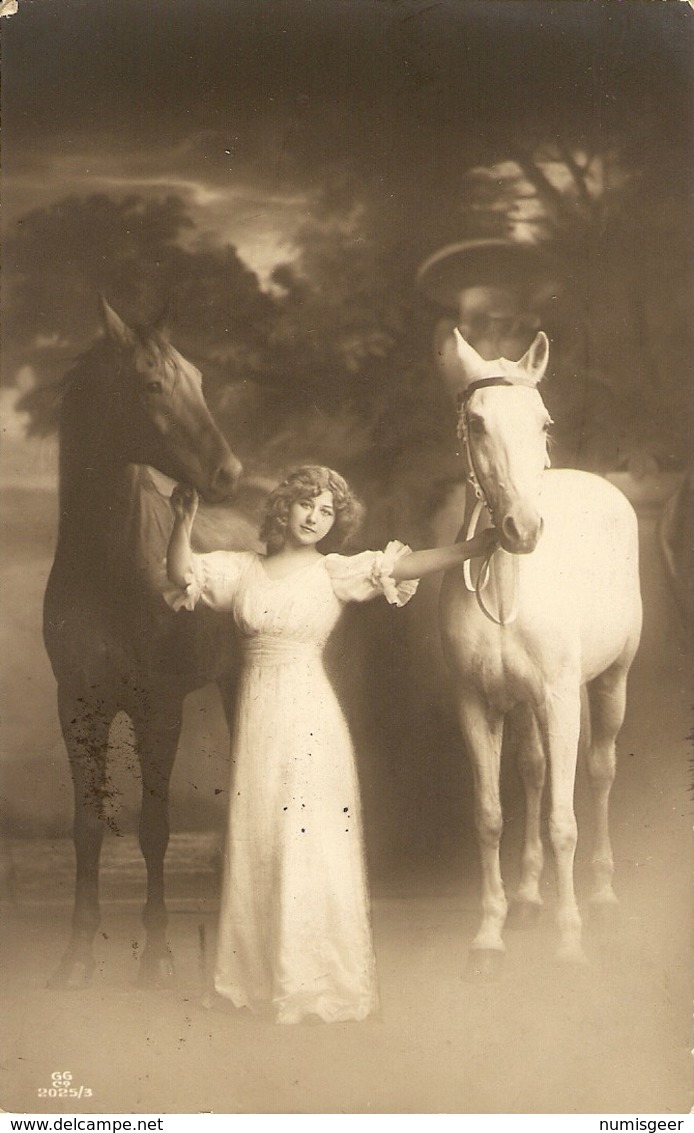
<point>557,607</point>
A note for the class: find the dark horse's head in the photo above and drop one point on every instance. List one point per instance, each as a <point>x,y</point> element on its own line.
<point>141,402</point>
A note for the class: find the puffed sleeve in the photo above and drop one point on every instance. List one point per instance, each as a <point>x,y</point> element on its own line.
<point>358,578</point>
<point>212,579</point>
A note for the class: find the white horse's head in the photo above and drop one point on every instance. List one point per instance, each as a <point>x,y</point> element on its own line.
<point>503,425</point>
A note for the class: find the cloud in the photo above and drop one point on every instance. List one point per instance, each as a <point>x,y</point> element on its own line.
<point>27,462</point>
<point>225,206</point>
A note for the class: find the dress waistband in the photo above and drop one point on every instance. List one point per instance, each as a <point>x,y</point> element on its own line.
<point>269,650</point>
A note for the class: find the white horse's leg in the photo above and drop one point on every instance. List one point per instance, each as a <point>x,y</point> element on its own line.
<point>482,730</point>
<point>562,721</point>
<point>532,765</point>
<point>607,698</point>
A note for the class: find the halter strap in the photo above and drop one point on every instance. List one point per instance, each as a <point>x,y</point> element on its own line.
<point>483,383</point>
<point>478,585</point>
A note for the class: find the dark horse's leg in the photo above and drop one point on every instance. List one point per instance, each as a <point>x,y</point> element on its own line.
<point>85,721</point>
<point>157,726</point>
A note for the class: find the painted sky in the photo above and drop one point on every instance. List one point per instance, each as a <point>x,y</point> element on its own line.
<point>241,106</point>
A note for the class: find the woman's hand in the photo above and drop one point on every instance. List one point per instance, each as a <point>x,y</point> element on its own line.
<point>184,502</point>
<point>483,543</point>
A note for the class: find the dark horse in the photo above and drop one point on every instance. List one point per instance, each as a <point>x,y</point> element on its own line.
<point>132,401</point>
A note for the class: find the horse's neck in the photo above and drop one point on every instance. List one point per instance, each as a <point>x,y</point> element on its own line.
<point>86,497</point>
<point>113,536</point>
<point>90,459</point>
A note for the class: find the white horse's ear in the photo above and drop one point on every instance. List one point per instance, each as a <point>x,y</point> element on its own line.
<point>536,357</point>
<point>471,362</point>
<point>114,326</point>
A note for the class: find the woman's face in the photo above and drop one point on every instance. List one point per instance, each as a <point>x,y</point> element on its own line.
<point>310,520</point>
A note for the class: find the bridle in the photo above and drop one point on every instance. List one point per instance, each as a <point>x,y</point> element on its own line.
<point>464,426</point>
<point>463,430</point>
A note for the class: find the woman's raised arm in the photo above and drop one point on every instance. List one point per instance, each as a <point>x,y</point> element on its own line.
<point>179,556</point>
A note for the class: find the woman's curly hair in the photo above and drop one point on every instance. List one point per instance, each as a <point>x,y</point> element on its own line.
<point>305,484</point>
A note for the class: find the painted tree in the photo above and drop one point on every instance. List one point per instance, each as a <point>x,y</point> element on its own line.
<point>138,253</point>
<point>616,217</point>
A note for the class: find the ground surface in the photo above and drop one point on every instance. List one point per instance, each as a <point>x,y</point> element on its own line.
<point>613,1039</point>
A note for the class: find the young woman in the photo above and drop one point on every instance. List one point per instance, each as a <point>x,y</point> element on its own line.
<point>294,933</point>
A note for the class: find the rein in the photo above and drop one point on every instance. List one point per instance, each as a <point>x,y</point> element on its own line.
<point>477,587</point>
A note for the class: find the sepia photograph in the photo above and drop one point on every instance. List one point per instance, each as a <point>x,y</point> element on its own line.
<point>346,559</point>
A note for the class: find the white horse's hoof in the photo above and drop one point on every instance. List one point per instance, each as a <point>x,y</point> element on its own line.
<point>604,917</point>
<point>484,965</point>
<point>572,956</point>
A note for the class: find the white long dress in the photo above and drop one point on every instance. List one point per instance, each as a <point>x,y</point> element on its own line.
<point>294,930</point>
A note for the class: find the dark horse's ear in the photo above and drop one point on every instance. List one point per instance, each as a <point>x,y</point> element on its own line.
<point>114,326</point>
<point>161,323</point>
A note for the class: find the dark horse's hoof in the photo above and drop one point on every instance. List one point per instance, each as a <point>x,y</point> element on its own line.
<point>72,975</point>
<point>156,971</point>
<point>484,965</point>
<point>523,914</point>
